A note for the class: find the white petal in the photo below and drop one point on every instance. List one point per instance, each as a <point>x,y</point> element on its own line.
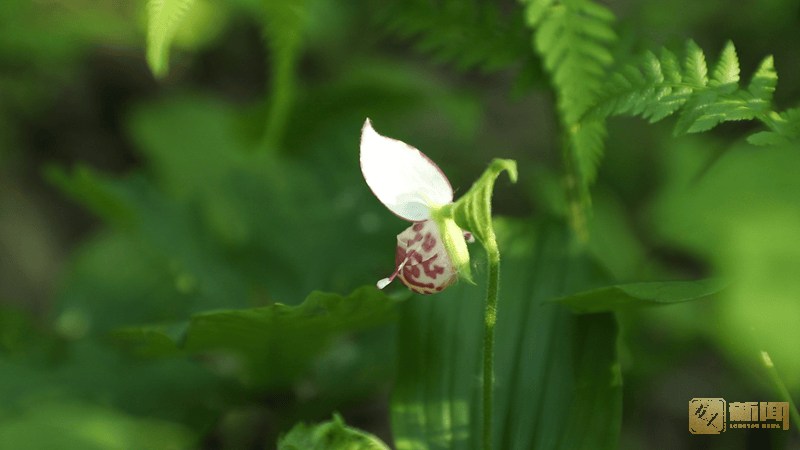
<point>402,177</point>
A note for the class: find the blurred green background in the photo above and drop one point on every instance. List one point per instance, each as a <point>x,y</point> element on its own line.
<point>233,182</point>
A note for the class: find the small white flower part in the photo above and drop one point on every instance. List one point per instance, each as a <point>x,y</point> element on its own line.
<point>422,261</point>
<point>402,178</point>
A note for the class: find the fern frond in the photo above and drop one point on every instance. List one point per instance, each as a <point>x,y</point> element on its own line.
<point>656,88</point>
<point>163,19</point>
<point>572,38</point>
<point>469,33</point>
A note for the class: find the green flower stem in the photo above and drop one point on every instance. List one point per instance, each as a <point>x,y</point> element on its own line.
<point>776,379</point>
<point>490,318</point>
<point>473,212</point>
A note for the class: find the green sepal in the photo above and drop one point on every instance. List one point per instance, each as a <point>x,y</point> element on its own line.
<point>454,243</point>
<point>473,211</point>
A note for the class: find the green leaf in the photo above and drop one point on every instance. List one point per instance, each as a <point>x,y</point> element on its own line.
<point>76,426</point>
<point>634,295</point>
<point>332,435</point>
<point>726,71</point>
<point>557,379</point>
<point>695,65</point>
<point>164,18</point>
<point>274,343</point>
<point>672,68</point>
<point>763,83</point>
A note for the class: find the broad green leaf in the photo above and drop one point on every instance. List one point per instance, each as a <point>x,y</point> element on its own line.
<point>164,18</point>
<point>333,435</point>
<point>557,380</point>
<point>634,295</point>
<point>76,426</point>
<point>273,343</point>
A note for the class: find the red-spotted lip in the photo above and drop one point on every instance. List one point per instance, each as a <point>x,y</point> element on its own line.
<point>419,266</point>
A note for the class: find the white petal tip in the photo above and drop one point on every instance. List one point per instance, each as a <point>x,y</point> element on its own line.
<point>402,177</point>
<point>469,237</point>
<point>384,282</point>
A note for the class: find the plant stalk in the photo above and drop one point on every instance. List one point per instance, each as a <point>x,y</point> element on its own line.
<point>781,388</point>
<point>490,318</point>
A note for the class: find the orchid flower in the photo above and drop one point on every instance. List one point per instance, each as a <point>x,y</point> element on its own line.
<point>431,253</point>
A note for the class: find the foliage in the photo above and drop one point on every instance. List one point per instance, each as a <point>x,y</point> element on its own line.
<point>80,427</point>
<point>468,34</point>
<point>164,18</point>
<point>265,338</point>
<point>572,38</point>
<point>633,295</point>
<point>221,291</point>
<point>743,235</point>
<point>548,360</point>
<point>786,128</point>
<point>333,435</point>
<point>473,211</point>
<point>659,87</point>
